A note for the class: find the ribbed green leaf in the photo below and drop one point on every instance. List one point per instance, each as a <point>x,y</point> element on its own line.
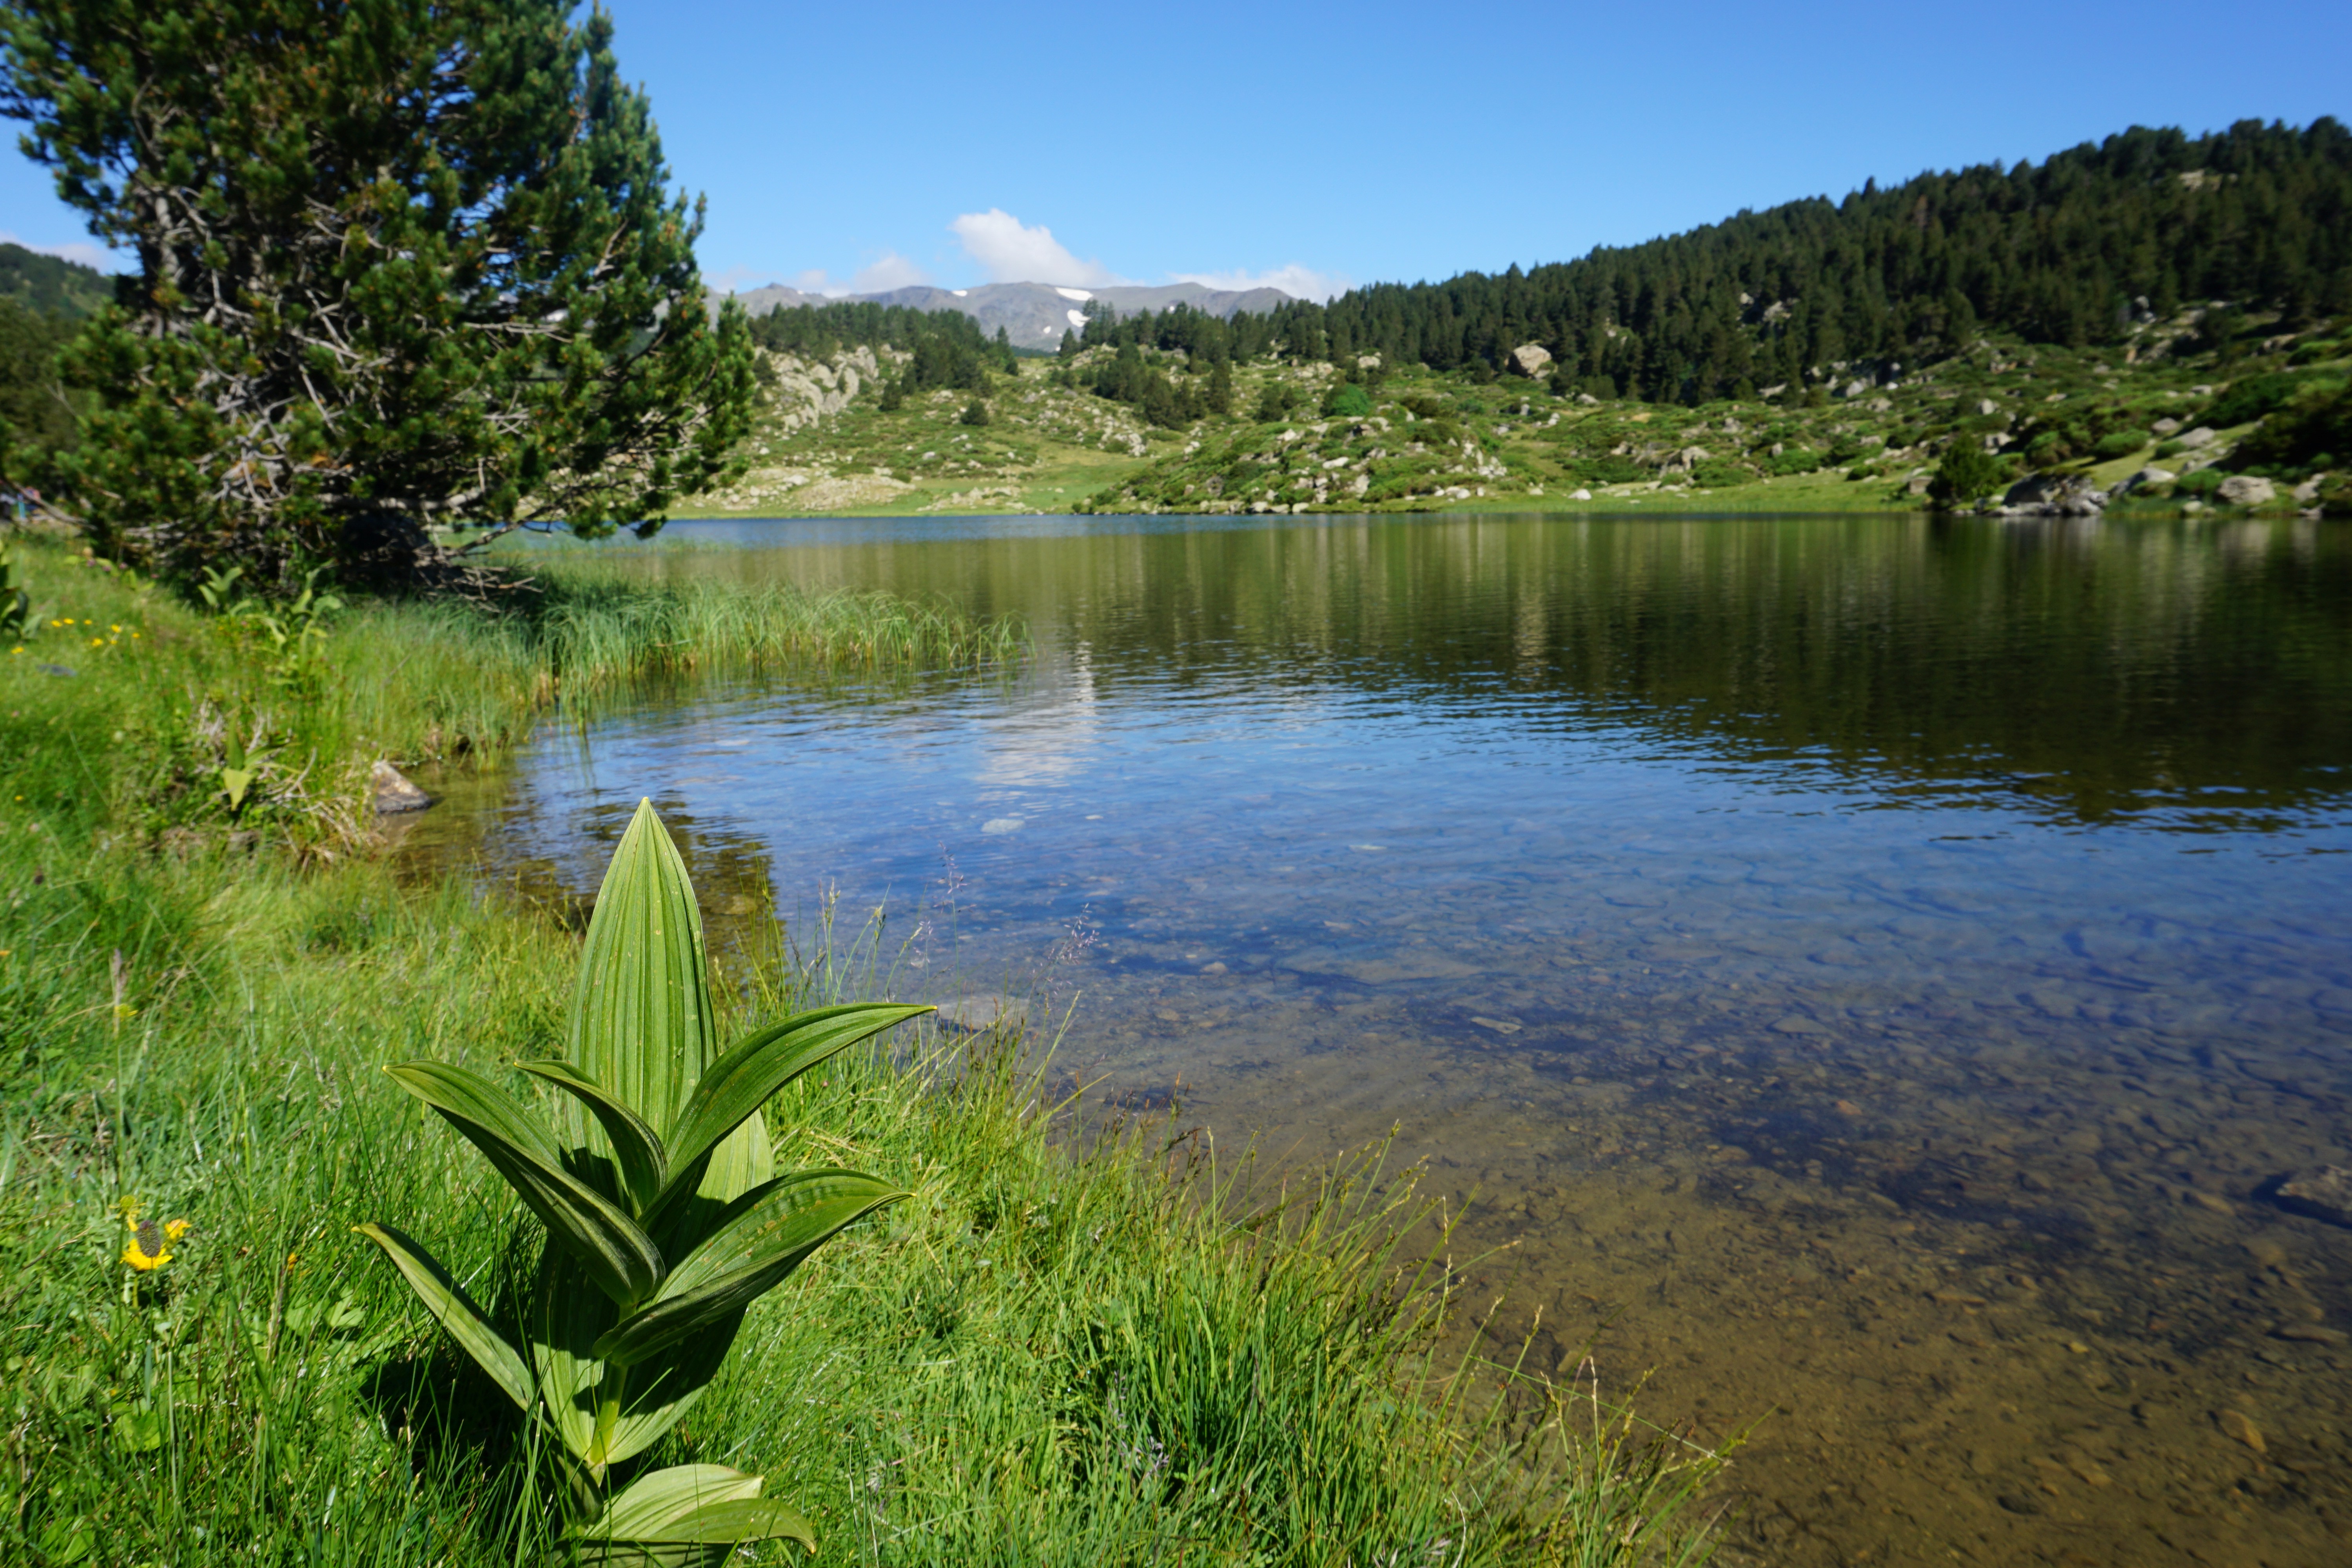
<point>693,1504</point>
<point>605,1413</point>
<point>752,1071</point>
<point>621,1259</point>
<point>635,1144</point>
<point>748,1255</point>
<point>641,1018</point>
<point>447,1301</point>
<point>652,1505</point>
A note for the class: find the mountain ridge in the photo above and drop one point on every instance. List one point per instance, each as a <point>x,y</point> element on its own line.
<point>1033,315</point>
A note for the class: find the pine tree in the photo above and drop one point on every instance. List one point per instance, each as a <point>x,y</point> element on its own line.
<point>398,264</point>
<point>1220,398</point>
<point>1069,350</point>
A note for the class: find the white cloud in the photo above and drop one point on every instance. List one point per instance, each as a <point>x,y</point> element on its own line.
<point>1300,282</point>
<point>889,270</point>
<point>1013,252</point>
<point>88,255</point>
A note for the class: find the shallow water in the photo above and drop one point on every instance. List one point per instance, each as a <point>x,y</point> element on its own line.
<point>1868,968</point>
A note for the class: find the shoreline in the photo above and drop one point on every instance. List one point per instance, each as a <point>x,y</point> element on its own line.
<point>200,999</point>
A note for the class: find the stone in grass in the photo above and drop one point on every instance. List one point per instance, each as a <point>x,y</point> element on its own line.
<point>393,793</point>
<point>2324,1191</point>
<point>984,1011</point>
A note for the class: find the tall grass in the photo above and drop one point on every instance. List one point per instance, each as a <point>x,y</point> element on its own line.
<point>1112,1350</point>
<point>132,735</point>
<point>601,621</point>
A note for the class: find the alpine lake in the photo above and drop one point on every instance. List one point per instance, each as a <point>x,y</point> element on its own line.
<point>1866,976</point>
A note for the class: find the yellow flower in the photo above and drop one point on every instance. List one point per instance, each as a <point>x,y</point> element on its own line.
<point>151,1244</point>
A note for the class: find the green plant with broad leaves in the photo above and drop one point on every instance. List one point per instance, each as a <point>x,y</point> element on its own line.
<point>664,1218</point>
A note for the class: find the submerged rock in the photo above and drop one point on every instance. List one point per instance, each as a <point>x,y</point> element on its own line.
<point>393,793</point>
<point>2324,1191</point>
<point>987,1010</point>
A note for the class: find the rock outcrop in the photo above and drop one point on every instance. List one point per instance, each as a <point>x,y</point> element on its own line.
<point>1529,358</point>
<point>2246,489</point>
<point>2053,495</point>
<point>809,390</point>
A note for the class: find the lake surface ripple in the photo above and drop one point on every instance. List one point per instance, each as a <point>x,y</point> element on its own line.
<point>1871,969</point>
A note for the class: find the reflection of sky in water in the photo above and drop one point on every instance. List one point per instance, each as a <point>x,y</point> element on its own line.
<point>1798,930</point>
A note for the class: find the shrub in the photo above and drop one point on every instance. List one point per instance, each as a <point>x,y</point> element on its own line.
<point>1347,400</point>
<point>2169,449</point>
<point>2201,484</point>
<point>2251,398</point>
<point>1718,475</point>
<point>1966,473</point>
<point>1274,403</point>
<point>1608,470</point>
<point>974,412</point>
<point>2310,433</point>
<point>1794,460</point>
<point>2119,444</point>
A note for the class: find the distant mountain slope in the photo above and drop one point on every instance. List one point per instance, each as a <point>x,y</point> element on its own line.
<point>1036,315</point>
<point>51,285</point>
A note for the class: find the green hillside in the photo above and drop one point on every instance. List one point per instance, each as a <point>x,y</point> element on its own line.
<point>51,285</point>
<point>2074,251</point>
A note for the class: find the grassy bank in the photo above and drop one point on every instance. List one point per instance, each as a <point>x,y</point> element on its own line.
<point>1114,1353</point>
<point>157,702</point>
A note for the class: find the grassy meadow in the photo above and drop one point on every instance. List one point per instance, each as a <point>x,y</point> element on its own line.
<point>1098,1347</point>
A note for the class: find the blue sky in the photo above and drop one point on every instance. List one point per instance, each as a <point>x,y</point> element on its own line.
<point>1317,146</point>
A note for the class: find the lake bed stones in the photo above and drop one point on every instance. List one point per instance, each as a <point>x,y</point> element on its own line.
<point>2323,1192</point>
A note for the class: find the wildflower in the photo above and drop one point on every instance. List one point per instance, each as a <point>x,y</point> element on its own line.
<point>151,1244</point>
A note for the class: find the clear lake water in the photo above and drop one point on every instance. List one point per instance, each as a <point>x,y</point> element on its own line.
<point>1870,971</point>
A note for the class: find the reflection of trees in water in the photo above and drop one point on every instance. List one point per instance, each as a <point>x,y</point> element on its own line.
<point>2083,668</point>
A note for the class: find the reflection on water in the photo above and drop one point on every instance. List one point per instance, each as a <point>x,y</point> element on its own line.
<point>1868,968</point>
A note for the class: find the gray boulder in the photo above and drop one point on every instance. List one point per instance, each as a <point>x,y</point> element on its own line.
<point>2246,489</point>
<point>2164,427</point>
<point>1528,359</point>
<point>2202,436</point>
<point>2053,495</point>
<point>2141,481</point>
